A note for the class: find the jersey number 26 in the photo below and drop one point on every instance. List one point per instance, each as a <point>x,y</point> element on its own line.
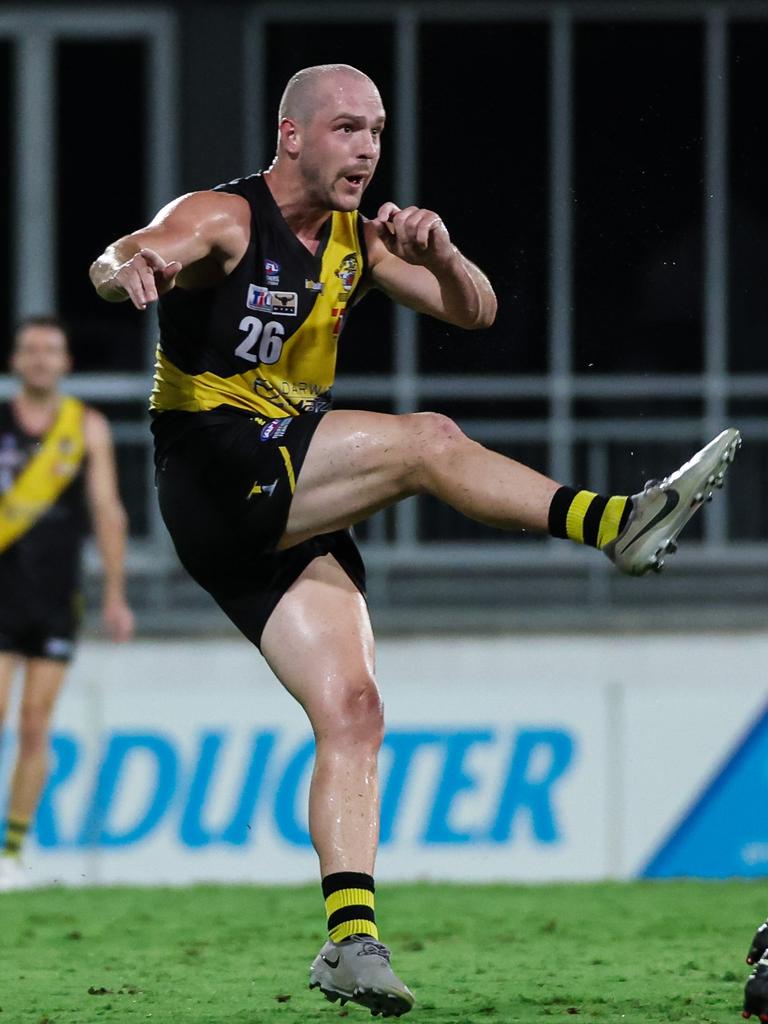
<point>262,343</point>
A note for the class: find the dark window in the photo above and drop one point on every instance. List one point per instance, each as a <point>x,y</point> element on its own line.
<point>130,431</point>
<point>483,168</point>
<point>101,192</point>
<point>638,197</point>
<point>133,459</point>
<point>748,229</point>
<point>744,491</point>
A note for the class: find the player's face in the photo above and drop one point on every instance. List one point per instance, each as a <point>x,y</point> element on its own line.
<point>342,143</point>
<point>40,357</point>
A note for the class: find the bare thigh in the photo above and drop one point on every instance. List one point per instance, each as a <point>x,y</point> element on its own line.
<point>357,463</point>
<point>360,462</point>
<point>42,683</point>
<point>9,663</point>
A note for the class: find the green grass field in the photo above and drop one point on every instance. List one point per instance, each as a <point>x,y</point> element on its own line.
<point>647,952</point>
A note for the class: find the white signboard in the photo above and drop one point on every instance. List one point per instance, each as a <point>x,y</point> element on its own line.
<point>513,759</point>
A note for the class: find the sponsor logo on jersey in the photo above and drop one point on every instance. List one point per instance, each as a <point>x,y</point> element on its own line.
<point>347,271</point>
<point>300,387</point>
<point>313,286</point>
<point>258,297</point>
<point>315,404</point>
<point>284,303</point>
<point>275,429</point>
<point>272,272</point>
<point>338,319</point>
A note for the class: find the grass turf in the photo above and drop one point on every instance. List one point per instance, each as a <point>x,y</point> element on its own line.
<point>641,951</point>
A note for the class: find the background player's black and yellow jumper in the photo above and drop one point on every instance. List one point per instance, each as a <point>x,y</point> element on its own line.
<point>43,524</point>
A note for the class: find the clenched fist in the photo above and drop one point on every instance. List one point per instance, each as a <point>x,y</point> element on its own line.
<point>416,236</point>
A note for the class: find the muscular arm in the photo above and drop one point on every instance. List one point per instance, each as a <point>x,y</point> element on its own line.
<point>196,239</point>
<point>110,523</point>
<point>413,260</point>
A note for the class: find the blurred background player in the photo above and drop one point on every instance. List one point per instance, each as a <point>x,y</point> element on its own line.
<point>56,464</point>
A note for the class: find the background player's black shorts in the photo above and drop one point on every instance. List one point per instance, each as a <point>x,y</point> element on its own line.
<point>225,481</point>
<point>37,628</point>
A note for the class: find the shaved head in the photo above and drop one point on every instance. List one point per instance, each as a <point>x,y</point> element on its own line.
<point>310,88</point>
<point>329,129</point>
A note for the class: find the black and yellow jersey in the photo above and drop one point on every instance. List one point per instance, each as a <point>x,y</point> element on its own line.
<point>265,339</point>
<point>41,566</point>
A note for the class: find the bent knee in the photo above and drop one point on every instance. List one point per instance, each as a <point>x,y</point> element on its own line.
<point>354,714</point>
<point>435,435</point>
<point>35,718</point>
<point>33,734</point>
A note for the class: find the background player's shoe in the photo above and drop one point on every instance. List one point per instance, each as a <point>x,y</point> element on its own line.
<point>357,970</point>
<point>12,874</point>
<point>663,507</point>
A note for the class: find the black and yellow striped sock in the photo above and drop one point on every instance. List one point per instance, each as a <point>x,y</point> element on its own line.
<point>586,517</point>
<point>16,829</point>
<point>349,905</point>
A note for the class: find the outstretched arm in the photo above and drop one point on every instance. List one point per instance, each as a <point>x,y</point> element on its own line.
<point>110,523</point>
<point>195,236</point>
<point>413,260</point>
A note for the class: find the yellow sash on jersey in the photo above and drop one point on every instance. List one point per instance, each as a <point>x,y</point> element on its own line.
<point>46,475</point>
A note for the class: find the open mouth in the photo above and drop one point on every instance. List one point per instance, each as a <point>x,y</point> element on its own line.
<point>354,179</point>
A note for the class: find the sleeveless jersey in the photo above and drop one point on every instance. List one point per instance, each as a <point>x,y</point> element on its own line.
<point>264,339</point>
<point>42,566</point>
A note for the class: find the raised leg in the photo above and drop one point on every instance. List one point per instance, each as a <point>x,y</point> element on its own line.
<point>360,462</point>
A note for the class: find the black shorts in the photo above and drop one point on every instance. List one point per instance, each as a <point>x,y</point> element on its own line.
<point>225,481</point>
<point>40,629</point>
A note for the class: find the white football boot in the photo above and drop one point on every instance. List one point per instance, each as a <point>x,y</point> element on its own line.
<point>357,970</point>
<point>663,507</point>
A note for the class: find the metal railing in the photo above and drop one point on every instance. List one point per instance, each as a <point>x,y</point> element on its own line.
<point>395,547</point>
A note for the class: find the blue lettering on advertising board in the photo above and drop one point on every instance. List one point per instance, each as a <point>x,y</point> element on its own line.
<point>65,758</point>
<point>475,785</point>
<point>192,832</point>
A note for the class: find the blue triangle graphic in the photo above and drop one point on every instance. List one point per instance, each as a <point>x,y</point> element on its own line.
<point>725,832</point>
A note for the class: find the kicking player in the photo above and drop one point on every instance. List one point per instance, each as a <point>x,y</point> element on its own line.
<point>56,462</point>
<point>259,481</point>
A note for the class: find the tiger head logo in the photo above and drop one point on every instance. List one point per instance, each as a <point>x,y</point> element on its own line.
<point>347,271</point>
